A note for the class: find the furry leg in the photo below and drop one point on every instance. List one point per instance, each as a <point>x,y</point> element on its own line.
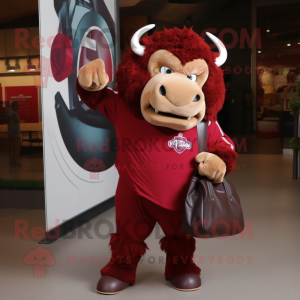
<point>179,256</point>
<point>126,254</point>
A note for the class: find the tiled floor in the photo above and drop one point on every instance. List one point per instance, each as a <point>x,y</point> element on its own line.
<point>32,161</point>
<point>265,266</point>
<point>32,167</point>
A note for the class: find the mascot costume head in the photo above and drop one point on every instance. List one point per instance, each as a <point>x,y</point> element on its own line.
<point>173,78</point>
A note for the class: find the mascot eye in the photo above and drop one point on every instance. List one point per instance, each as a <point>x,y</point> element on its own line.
<point>192,77</point>
<point>165,70</point>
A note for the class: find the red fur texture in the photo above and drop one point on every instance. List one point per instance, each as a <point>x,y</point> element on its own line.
<point>227,155</point>
<point>126,254</point>
<point>132,74</point>
<point>125,247</point>
<point>178,246</point>
<point>179,256</point>
<point>91,99</point>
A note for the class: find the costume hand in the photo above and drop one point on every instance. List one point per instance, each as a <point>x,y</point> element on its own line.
<point>92,76</point>
<point>211,166</point>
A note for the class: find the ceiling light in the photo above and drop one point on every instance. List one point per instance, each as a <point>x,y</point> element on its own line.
<point>289,43</point>
<point>259,51</point>
<point>268,27</point>
<point>17,65</point>
<point>30,66</point>
<point>9,68</point>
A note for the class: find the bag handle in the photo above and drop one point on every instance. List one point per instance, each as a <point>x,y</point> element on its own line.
<point>226,187</point>
<point>202,139</point>
<point>202,136</point>
<point>202,146</point>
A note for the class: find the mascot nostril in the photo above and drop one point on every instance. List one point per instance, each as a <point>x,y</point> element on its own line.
<point>197,98</point>
<point>162,90</point>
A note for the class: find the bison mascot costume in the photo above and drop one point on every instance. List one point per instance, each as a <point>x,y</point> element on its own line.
<point>166,84</point>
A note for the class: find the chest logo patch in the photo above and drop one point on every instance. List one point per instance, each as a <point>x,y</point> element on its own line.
<point>180,143</point>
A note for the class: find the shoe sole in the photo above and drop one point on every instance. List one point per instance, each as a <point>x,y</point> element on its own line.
<point>186,290</point>
<point>109,293</point>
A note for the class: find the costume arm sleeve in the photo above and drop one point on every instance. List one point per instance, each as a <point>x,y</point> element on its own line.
<point>105,100</point>
<point>221,145</point>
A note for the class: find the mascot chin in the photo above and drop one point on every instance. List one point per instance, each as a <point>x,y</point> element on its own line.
<point>166,84</point>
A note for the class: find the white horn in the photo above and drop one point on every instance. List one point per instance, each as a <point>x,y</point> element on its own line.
<point>136,47</point>
<point>222,50</point>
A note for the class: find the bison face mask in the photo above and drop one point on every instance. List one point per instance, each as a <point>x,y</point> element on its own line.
<point>173,97</point>
<point>177,68</point>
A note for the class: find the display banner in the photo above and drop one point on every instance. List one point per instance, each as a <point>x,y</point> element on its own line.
<point>79,161</point>
<point>27,97</point>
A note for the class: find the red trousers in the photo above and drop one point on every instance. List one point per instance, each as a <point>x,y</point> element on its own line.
<point>135,219</point>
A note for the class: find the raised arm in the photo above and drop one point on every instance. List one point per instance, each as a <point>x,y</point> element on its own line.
<point>92,88</point>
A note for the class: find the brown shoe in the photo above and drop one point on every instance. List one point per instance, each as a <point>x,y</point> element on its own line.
<point>110,285</point>
<point>186,282</point>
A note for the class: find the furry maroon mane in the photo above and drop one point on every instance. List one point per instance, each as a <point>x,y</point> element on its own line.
<point>132,74</point>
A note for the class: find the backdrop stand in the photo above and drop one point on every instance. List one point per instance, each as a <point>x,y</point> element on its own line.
<point>51,236</point>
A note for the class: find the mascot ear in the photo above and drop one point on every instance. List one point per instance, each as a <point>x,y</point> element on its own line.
<point>136,47</point>
<point>222,50</point>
